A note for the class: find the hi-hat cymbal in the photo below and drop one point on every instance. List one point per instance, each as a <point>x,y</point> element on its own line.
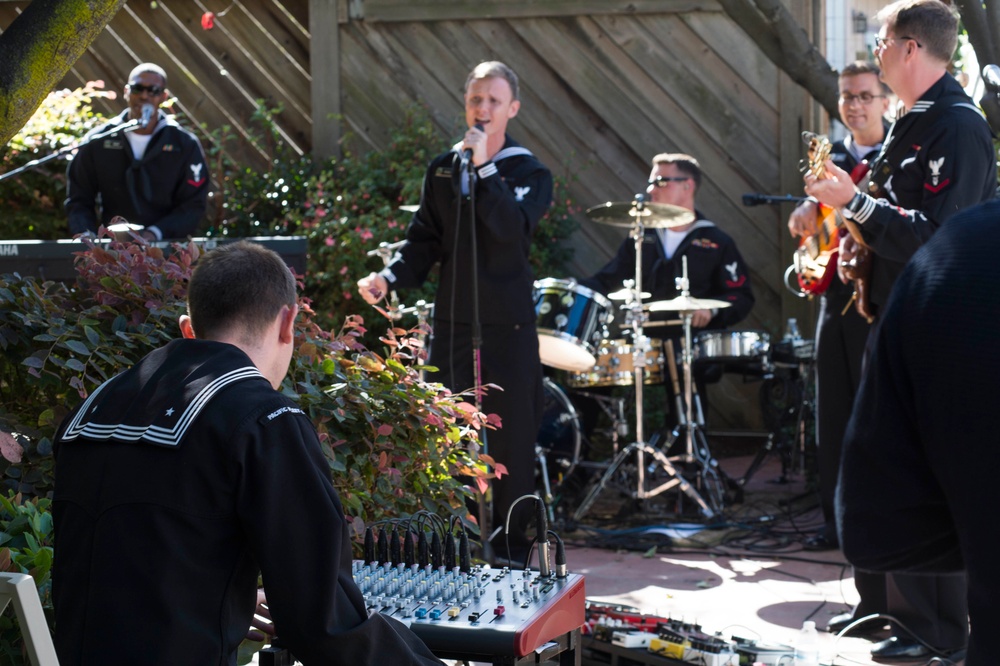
<point>687,304</point>
<point>622,294</point>
<point>652,215</point>
<point>655,324</point>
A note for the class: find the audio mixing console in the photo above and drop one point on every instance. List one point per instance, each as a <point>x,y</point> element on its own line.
<point>482,611</point>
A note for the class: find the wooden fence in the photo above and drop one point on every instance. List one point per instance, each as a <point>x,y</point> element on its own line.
<point>606,84</point>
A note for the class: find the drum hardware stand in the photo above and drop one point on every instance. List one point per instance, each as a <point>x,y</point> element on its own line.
<point>397,311</point>
<point>792,456</point>
<point>688,404</point>
<point>385,251</point>
<point>640,447</point>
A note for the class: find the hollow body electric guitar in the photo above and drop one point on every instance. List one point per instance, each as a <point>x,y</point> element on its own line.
<point>815,259</point>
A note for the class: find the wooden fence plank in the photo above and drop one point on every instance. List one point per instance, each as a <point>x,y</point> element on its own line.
<point>439,10</point>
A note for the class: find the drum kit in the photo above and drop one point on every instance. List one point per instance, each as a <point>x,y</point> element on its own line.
<point>573,326</point>
<point>574,333</point>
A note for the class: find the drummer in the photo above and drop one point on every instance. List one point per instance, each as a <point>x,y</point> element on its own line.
<point>715,268</point>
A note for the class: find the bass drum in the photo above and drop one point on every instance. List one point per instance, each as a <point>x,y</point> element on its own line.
<point>559,438</point>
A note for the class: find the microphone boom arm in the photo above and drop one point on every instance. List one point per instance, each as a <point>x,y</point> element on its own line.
<point>124,127</point>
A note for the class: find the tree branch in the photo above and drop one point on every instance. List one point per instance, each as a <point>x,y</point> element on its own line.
<point>38,49</point>
<point>780,37</point>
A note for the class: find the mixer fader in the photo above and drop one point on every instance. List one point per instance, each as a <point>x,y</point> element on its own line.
<point>478,613</point>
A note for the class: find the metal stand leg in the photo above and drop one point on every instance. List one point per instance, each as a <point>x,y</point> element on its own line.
<point>640,449</point>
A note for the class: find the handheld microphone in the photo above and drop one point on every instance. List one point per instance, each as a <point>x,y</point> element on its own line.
<point>147,115</point>
<point>467,153</point>
<point>991,76</point>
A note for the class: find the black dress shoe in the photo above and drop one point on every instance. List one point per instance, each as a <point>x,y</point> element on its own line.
<point>838,622</point>
<point>819,542</point>
<point>873,629</point>
<point>899,649</point>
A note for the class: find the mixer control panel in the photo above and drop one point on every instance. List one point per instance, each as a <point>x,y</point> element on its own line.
<point>481,610</point>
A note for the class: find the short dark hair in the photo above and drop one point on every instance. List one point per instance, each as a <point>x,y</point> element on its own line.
<point>238,288</point>
<point>147,67</point>
<point>859,67</point>
<point>686,164</point>
<point>931,22</point>
<point>494,69</point>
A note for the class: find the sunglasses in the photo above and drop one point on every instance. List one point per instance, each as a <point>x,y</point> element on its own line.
<point>138,89</point>
<point>661,181</point>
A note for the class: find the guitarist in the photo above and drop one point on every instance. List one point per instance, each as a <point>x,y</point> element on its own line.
<point>937,159</point>
<point>841,331</point>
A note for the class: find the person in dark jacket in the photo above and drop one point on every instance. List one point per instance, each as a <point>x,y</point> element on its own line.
<point>841,331</point>
<point>937,160</point>
<point>152,175</point>
<point>484,278</point>
<point>921,454</point>
<point>181,480</point>
<point>715,268</point>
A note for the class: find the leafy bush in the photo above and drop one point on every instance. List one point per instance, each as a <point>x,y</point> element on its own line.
<point>33,200</point>
<point>394,442</point>
<point>25,547</point>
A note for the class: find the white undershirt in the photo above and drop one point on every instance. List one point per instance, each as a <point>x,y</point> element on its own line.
<point>139,142</point>
<point>671,240</point>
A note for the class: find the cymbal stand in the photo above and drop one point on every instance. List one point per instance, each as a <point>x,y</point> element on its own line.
<point>640,447</point>
<point>395,310</point>
<point>385,252</point>
<point>691,418</point>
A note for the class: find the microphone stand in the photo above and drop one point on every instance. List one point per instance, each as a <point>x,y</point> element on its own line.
<point>755,199</point>
<point>486,498</point>
<point>129,126</point>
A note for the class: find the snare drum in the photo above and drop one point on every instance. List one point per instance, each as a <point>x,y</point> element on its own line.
<point>615,366</point>
<point>571,320</point>
<point>749,347</point>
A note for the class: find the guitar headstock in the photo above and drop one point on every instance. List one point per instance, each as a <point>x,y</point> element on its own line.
<point>817,154</point>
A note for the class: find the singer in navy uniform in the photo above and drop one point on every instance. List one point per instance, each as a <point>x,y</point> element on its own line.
<point>152,173</point>
<point>511,190</point>
<point>183,478</point>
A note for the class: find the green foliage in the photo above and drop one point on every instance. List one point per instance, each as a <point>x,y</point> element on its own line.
<point>394,442</point>
<point>33,200</point>
<point>25,547</point>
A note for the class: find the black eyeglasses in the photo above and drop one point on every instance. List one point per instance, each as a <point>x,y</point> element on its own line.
<point>139,88</point>
<point>661,181</point>
<point>882,43</point>
<point>865,98</point>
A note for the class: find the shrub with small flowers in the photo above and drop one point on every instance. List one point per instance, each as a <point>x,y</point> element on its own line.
<point>395,444</point>
<point>33,200</point>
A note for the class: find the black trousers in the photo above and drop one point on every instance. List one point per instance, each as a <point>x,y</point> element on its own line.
<point>509,359</point>
<point>932,607</point>
<point>840,347</point>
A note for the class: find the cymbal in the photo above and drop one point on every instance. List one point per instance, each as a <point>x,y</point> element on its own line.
<point>622,294</point>
<point>655,324</point>
<point>652,215</point>
<point>687,304</point>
